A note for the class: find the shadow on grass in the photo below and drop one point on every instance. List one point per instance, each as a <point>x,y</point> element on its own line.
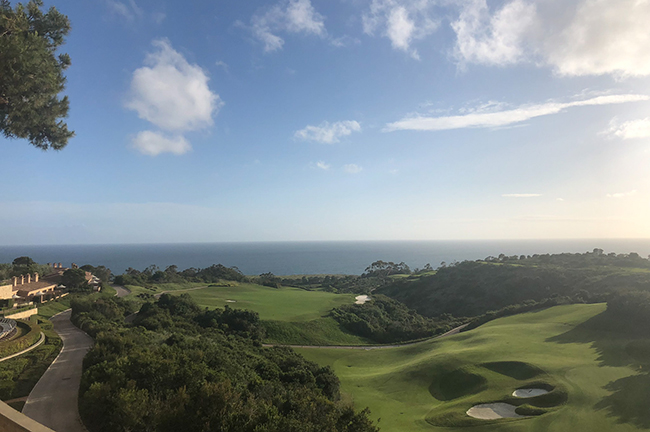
<point>619,343</point>
<point>630,400</point>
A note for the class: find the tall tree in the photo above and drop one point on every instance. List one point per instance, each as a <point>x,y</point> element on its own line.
<point>31,74</point>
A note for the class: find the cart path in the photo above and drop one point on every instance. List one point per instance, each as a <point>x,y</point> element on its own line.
<point>54,401</point>
<point>373,347</point>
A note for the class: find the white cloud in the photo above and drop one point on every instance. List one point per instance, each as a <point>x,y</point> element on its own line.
<point>328,133</point>
<point>352,168</point>
<point>322,165</point>
<point>481,119</point>
<point>172,93</point>
<point>128,10</point>
<point>602,37</point>
<point>401,21</point>
<point>496,39</point>
<point>580,37</point>
<point>153,143</point>
<point>622,194</point>
<point>631,129</point>
<point>293,16</point>
<point>520,195</point>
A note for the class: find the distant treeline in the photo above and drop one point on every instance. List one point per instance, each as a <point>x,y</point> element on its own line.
<point>198,370</point>
<point>153,274</point>
<point>473,288</point>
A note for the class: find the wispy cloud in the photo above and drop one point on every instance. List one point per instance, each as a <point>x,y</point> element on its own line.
<point>223,65</point>
<point>630,129</point>
<point>352,168</point>
<point>292,16</point>
<point>498,118</point>
<point>521,195</point>
<point>172,94</point>
<point>622,194</point>
<point>128,10</point>
<point>401,21</point>
<point>154,143</point>
<point>322,165</point>
<point>328,133</point>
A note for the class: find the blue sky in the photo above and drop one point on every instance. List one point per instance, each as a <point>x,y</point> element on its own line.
<point>343,120</point>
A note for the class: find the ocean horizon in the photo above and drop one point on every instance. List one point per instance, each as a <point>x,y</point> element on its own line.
<point>307,257</point>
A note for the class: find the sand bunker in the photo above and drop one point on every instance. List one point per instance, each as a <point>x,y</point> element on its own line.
<point>529,393</point>
<point>361,299</point>
<point>231,301</point>
<point>493,411</point>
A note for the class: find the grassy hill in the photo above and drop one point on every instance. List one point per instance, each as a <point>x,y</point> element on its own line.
<point>597,373</point>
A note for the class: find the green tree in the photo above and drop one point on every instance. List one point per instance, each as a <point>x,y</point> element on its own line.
<point>31,74</point>
<point>74,279</point>
<point>23,261</point>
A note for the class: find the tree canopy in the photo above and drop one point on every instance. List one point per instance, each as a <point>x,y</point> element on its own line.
<point>31,74</point>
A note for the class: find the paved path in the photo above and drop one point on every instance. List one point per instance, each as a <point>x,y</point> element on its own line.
<point>121,291</point>
<point>372,347</point>
<point>157,296</point>
<point>54,400</point>
<point>40,341</point>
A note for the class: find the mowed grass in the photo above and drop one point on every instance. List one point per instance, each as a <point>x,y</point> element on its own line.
<point>274,304</point>
<point>429,386</point>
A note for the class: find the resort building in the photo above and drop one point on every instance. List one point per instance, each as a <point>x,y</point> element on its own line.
<point>30,287</point>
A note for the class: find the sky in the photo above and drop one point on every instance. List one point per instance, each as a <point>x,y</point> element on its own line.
<point>290,120</point>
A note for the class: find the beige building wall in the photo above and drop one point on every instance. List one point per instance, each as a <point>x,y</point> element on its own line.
<point>6,292</point>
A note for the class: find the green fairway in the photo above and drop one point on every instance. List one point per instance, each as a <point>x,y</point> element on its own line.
<point>277,304</point>
<point>596,383</point>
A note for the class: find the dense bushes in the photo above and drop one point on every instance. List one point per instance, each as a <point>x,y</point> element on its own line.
<point>384,320</point>
<point>183,368</point>
<point>631,308</point>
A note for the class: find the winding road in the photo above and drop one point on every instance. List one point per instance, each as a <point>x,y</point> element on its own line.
<point>54,400</point>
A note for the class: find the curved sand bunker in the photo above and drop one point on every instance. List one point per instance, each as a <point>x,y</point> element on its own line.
<point>529,393</point>
<point>493,411</point>
<point>361,299</point>
<point>231,301</point>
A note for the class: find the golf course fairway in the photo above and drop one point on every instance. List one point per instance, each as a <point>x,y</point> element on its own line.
<point>594,380</point>
<point>289,315</point>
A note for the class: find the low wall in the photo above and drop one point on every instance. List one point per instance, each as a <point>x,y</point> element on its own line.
<point>24,314</point>
<point>13,421</point>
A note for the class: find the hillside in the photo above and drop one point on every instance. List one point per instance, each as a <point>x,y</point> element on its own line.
<point>471,288</point>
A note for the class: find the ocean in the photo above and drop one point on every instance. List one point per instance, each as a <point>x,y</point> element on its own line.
<point>290,258</point>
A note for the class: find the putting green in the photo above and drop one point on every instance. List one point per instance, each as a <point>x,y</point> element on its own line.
<point>595,385</point>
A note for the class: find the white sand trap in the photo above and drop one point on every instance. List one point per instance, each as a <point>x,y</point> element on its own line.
<point>493,411</point>
<point>361,299</point>
<point>529,393</point>
<point>231,301</point>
